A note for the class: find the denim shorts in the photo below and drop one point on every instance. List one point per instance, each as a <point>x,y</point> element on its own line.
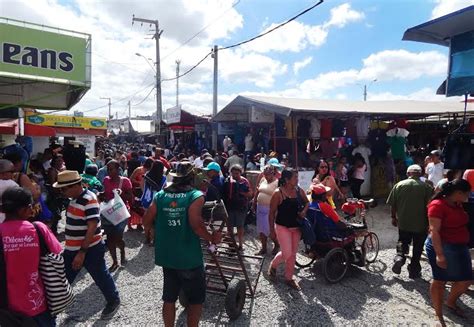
<point>237,217</point>
<point>191,281</point>
<point>458,260</point>
<point>115,230</point>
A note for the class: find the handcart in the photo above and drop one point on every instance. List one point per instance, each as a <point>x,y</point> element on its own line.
<point>229,272</point>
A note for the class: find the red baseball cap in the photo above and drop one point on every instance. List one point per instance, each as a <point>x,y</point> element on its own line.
<point>319,188</point>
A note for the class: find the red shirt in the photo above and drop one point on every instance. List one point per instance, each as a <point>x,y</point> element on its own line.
<point>454,221</point>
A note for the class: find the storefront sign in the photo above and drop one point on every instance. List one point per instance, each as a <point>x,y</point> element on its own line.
<point>261,116</point>
<point>89,143</point>
<point>172,115</point>
<point>66,121</point>
<point>41,54</point>
<point>225,128</point>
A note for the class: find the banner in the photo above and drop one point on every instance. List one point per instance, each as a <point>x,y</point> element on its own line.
<point>172,115</point>
<point>66,121</point>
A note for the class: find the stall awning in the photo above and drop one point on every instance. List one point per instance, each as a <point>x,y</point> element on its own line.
<point>9,127</point>
<point>440,30</point>
<point>239,108</point>
<point>38,130</point>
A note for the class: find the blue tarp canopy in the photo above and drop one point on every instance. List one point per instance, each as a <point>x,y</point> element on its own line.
<point>441,30</point>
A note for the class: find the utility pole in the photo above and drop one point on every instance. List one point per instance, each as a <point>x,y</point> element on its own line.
<point>129,111</point>
<point>110,108</point>
<point>156,36</point>
<point>365,92</point>
<point>214,98</point>
<point>177,81</point>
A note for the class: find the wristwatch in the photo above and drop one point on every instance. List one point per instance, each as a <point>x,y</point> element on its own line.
<point>83,250</point>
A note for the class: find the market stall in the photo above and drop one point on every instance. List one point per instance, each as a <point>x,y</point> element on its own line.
<point>308,130</point>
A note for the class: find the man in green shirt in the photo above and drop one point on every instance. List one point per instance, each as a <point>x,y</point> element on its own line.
<point>408,200</point>
<point>175,216</point>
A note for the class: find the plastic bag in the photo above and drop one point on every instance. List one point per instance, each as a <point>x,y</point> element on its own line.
<point>115,211</point>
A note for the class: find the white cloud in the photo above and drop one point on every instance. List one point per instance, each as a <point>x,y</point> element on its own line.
<point>342,15</point>
<point>444,7</point>
<point>388,65</point>
<point>297,66</point>
<point>403,65</point>
<point>296,36</point>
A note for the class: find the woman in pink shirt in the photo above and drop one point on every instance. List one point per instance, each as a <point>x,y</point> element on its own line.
<point>25,292</point>
<point>115,233</point>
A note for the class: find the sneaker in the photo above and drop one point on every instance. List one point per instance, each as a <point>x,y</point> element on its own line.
<point>398,264</point>
<point>110,309</point>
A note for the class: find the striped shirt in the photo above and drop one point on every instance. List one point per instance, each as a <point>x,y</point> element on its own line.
<point>79,212</point>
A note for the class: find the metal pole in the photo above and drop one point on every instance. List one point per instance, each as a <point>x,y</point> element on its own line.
<point>156,36</point>
<point>214,97</point>
<point>365,92</point>
<point>159,112</point>
<point>177,82</point>
<point>110,108</point>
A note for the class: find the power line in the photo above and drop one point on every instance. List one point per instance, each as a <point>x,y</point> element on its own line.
<point>274,28</point>
<point>144,99</point>
<point>246,41</point>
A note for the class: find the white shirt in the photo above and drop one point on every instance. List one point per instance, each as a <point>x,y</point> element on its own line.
<point>226,143</point>
<point>248,143</point>
<point>315,129</point>
<point>362,126</point>
<point>435,172</point>
<point>198,162</point>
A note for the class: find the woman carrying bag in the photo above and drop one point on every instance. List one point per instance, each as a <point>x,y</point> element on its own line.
<point>115,232</point>
<point>25,292</point>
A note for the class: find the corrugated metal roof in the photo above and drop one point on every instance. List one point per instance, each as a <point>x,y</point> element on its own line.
<point>440,30</point>
<point>287,106</point>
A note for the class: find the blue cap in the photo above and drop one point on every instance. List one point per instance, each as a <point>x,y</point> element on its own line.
<point>213,166</point>
<point>274,162</point>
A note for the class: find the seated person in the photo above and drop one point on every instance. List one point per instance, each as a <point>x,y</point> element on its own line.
<point>332,222</point>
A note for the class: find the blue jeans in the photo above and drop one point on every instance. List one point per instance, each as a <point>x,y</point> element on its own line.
<point>94,263</point>
<point>45,319</point>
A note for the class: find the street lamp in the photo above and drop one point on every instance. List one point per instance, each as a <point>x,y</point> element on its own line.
<point>366,86</point>
<point>147,61</point>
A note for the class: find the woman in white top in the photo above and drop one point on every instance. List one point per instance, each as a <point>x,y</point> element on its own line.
<point>358,175</point>
<point>261,203</point>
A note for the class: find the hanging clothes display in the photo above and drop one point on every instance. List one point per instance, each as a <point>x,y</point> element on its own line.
<point>315,129</point>
<point>362,126</point>
<point>397,139</point>
<point>337,128</point>
<point>378,143</point>
<point>326,128</point>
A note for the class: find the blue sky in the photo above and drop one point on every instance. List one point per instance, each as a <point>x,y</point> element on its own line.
<point>330,52</point>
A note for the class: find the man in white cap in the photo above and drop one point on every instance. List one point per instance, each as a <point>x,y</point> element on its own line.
<point>435,169</point>
<point>408,200</point>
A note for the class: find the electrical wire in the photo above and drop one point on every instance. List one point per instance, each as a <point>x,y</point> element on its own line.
<point>274,28</point>
<point>144,99</point>
<point>246,41</point>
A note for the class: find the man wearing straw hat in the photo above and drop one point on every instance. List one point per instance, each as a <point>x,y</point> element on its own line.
<point>84,244</point>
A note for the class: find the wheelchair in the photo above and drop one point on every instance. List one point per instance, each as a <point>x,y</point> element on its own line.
<point>338,248</point>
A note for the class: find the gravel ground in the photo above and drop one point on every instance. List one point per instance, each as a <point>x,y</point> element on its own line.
<point>370,296</point>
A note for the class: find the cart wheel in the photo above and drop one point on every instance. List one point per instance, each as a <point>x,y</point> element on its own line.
<point>235,298</point>
<point>183,300</point>
<point>303,260</point>
<point>370,247</point>
<point>335,265</point>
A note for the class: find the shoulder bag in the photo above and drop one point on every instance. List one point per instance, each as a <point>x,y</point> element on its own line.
<point>58,291</point>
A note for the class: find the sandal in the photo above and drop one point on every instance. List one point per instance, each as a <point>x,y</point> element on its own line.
<point>293,284</point>
<point>272,273</point>
<point>457,311</point>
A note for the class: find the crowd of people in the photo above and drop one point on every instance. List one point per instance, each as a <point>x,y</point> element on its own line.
<point>164,194</point>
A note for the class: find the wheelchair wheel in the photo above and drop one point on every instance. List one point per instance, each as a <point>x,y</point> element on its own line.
<point>303,258</point>
<point>370,247</point>
<point>335,265</point>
